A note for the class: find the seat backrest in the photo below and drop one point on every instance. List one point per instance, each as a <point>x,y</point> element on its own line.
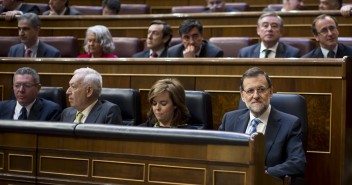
<point>200,108</point>
<point>231,45</point>
<point>188,9</point>
<point>303,44</point>
<point>6,42</point>
<point>175,41</point>
<point>42,7</point>
<point>238,6</point>
<point>293,104</point>
<point>346,40</point>
<point>54,94</point>
<point>67,45</point>
<point>275,7</point>
<point>89,10</point>
<point>134,9</point>
<point>128,100</point>
<point>127,46</point>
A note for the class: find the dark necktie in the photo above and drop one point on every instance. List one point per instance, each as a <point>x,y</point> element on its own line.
<point>154,55</point>
<point>267,52</point>
<point>331,54</point>
<point>253,126</point>
<point>28,53</point>
<point>23,115</point>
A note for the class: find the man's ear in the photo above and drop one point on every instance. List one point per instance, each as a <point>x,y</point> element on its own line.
<point>89,91</point>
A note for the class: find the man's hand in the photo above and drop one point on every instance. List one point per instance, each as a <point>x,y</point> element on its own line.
<point>10,15</point>
<point>189,52</point>
<point>346,10</point>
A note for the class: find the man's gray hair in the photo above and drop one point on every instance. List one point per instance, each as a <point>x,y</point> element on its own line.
<point>91,77</point>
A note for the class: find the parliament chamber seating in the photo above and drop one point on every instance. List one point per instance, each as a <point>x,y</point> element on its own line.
<point>231,45</point>
<point>42,7</point>
<point>129,102</point>
<point>303,44</point>
<point>293,104</point>
<point>134,9</point>
<point>55,94</point>
<point>200,108</point>
<point>125,47</point>
<point>175,41</point>
<point>67,45</point>
<point>88,10</point>
<point>275,7</point>
<point>6,42</point>
<point>240,6</point>
<point>346,40</point>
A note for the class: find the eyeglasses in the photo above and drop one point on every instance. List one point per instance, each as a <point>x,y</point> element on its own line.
<point>187,37</point>
<point>24,85</point>
<point>260,91</point>
<point>326,30</point>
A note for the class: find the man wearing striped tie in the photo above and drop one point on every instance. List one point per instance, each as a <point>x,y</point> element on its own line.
<point>284,150</point>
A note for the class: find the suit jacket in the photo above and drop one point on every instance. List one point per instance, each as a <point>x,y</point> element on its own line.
<point>42,110</point>
<point>146,54</point>
<point>284,154</point>
<point>68,11</point>
<point>282,51</point>
<point>102,112</point>
<point>44,50</point>
<point>208,50</point>
<point>25,8</point>
<point>342,50</point>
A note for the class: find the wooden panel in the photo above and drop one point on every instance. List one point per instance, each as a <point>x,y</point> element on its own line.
<point>61,165</point>
<point>166,174</point>
<point>238,177</point>
<point>20,163</point>
<point>120,170</point>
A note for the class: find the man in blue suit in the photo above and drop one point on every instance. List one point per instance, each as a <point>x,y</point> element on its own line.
<point>60,7</point>
<point>325,31</point>
<point>158,40</point>
<point>11,8</point>
<point>193,45</point>
<point>83,94</point>
<point>269,29</point>
<point>31,46</point>
<point>284,154</point>
<point>27,106</point>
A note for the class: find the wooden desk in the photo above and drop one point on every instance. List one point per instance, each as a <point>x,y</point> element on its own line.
<point>325,83</point>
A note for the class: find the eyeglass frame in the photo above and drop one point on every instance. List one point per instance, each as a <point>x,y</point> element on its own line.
<point>326,30</point>
<point>24,85</point>
<point>259,90</point>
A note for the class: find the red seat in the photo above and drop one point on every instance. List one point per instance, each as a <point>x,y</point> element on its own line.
<point>125,47</point>
<point>175,41</point>
<point>303,44</point>
<point>134,9</point>
<point>6,42</point>
<point>89,10</point>
<point>67,45</point>
<point>188,9</point>
<point>231,45</point>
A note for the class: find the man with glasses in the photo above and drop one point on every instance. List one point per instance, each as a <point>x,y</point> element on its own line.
<point>27,106</point>
<point>193,45</point>
<point>269,28</point>
<point>325,31</point>
<point>284,149</point>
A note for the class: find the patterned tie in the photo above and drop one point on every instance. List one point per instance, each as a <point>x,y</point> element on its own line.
<point>79,117</point>
<point>23,115</point>
<point>267,52</point>
<point>253,126</point>
<point>28,53</point>
<point>154,55</point>
<point>331,54</point>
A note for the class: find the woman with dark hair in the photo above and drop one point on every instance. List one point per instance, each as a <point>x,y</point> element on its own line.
<point>167,105</point>
<point>98,43</point>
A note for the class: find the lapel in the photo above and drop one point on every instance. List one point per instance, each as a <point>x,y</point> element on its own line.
<point>36,109</point>
<point>256,51</point>
<point>280,51</point>
<point>272,129</point>
<point>40,51</point>
<point>21,52</point>
<point>203,51</point>
<point>242,121</point>
<point>318,53</point>
<point>94,113</point>
<point>9,112</point>
<point>164,53</point>
<point>71,116</point>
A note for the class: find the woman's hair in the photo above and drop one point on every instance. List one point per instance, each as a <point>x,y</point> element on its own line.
<point>103,37</point>
<point>178,98</point>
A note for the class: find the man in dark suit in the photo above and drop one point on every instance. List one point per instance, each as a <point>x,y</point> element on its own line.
<point>284,154</point>
<point>83,95</point>
<point>158,40</point>
<point>193,45</point>
<point>60,7</point>
<point>27,106</point>
<point>325,31</point>
<point>31,46</point>
<point>269,29</point>
<point>11,8</point>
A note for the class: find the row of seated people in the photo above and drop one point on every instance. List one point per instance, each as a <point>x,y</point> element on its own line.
<point>125,47</point>
<point>170,107</point>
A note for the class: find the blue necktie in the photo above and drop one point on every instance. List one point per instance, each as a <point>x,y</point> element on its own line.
<point>253,126</point>
<point>23,115</point>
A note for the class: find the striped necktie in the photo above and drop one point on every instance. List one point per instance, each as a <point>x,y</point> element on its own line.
<point>253,126</point>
